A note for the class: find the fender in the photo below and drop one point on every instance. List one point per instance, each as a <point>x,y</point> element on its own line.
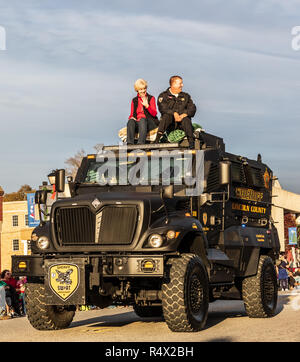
<point>188,226</point>
<point>41,230</point>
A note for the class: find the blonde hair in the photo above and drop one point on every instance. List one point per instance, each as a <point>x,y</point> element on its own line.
<point>140,83</point>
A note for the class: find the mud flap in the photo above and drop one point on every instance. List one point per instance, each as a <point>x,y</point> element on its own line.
<point>65,282</point>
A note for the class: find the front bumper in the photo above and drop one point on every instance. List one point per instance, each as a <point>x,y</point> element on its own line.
<point>68,280</point>
<point>112,265</point>
<point>133,266</point>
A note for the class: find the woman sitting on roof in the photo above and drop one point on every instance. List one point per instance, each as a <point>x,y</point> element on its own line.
<point>143,114</point>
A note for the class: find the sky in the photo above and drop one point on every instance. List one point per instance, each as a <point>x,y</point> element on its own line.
<point>68,69</point>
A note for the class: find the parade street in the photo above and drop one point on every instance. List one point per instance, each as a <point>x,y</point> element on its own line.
<point>227,322</point>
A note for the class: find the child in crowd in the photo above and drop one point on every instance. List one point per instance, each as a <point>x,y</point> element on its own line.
<point>21,291</point>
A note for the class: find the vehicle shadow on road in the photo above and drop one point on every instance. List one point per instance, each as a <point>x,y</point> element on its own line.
<point>126,318</point>
<point>215,316</point>
<point>114,320</point>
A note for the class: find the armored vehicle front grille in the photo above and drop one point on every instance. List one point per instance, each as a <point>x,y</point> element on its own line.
<point>116,224</point>
<point>113,225</point>
<point>75,226</point>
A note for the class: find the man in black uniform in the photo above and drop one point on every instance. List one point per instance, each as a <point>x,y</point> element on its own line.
<point>177,109</point>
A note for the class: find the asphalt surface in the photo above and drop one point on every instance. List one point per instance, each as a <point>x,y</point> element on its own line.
<point>227,322</point>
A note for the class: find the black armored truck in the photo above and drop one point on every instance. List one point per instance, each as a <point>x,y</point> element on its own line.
<point>159,227</point>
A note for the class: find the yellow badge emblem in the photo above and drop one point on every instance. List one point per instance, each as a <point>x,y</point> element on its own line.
<point>64,279</point>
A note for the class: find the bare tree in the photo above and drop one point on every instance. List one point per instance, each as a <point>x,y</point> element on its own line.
<point>74,162</point>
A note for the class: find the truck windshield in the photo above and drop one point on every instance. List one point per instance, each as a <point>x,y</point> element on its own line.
<point>144,168</point>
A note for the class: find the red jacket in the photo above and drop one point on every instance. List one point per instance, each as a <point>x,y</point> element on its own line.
<point>12,282</point>
<point>140,108</point>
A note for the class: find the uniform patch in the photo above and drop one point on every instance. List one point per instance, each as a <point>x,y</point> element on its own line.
<point>64,279</point>
<point>160,99</point>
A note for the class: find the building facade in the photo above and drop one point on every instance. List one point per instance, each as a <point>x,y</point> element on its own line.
<point>284,202</point>
<point>15,234</point>
<point>1,217</point>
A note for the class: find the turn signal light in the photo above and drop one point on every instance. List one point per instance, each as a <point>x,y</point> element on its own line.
<point>22,265</point>
<point>148,266</point>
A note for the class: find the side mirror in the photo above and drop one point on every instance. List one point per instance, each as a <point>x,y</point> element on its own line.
<point>60,180</point>
<point>224,172</point>
<point>168,192</point>
<point>40,197</point>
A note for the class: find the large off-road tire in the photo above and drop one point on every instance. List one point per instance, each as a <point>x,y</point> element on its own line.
<point>260,292</point>
<point>42,316</point>
<point>185,294</point>
<point>148,311</point>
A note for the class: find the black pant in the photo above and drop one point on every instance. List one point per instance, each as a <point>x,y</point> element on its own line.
<point>167,122</point>
<point>12,299</point>
<point>142,126</point>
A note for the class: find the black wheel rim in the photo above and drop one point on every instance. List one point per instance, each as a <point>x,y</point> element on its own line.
<point>196,297</point>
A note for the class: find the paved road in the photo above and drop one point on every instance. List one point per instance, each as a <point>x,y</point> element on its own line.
<point>227,321</point>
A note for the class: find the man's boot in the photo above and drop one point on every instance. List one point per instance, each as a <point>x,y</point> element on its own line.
<point>191,143</point>
<point>158,137</point>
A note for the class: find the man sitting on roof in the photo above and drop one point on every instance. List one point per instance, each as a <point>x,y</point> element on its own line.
<point>177,109</point>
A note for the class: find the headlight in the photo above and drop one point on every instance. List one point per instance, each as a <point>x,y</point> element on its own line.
<point>155,240</point>
<point>43,242</point>
<point>171,234</point>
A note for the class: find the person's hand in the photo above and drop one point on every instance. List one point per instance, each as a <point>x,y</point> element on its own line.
<point>145,102</point>
<point>177,117</point>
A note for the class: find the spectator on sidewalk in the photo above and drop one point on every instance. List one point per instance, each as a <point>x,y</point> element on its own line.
<point>292,280</point>
<point>297,278</point>
<point>4,309</point>
<point>282,273</point>
<point>21,291</point>
<point>12,298</point>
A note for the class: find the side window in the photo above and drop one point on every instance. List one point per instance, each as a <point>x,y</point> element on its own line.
<point>15,245</point>
<point>257,177</point>
<point>15,220</point>
<point>237,173</point>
